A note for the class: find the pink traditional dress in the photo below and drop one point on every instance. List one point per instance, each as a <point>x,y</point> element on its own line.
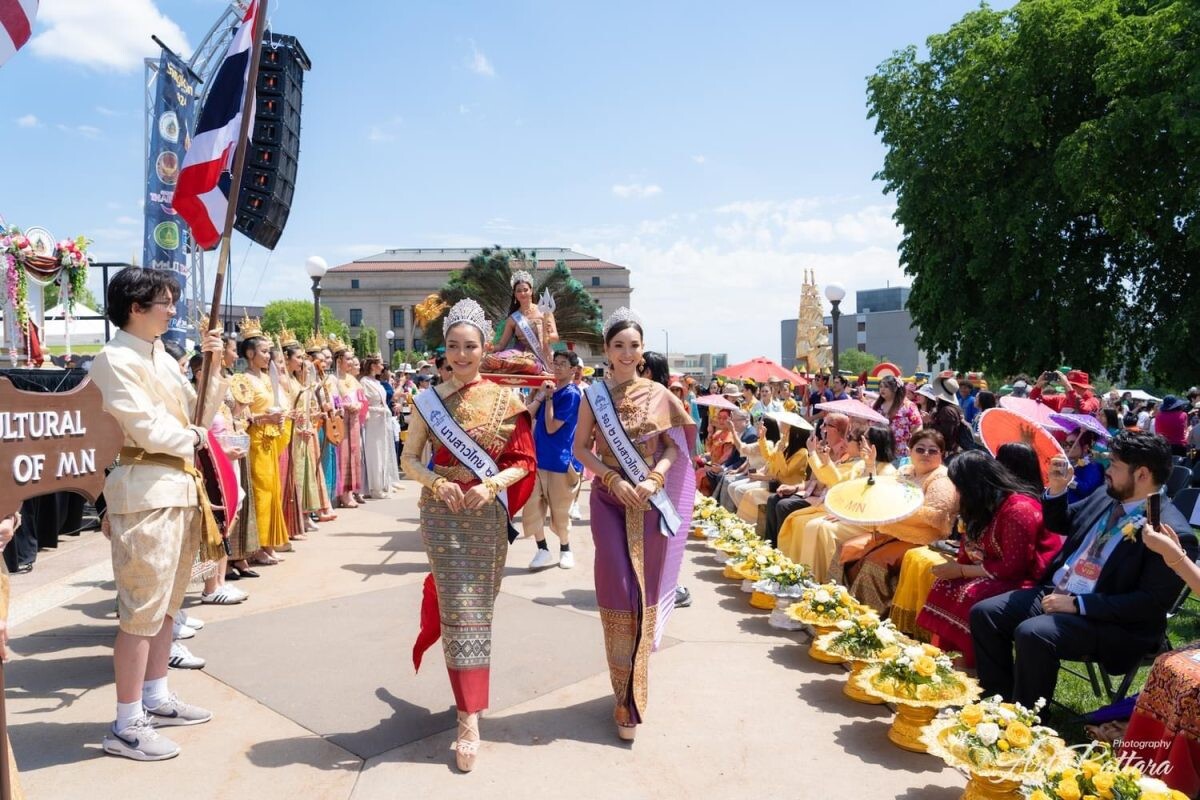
<point>1014,549</point>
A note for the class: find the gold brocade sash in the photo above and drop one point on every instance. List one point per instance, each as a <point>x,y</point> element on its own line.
<point>212,534</point>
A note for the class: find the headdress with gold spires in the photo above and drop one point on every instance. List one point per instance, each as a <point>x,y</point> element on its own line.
<point>471,313</point>
<point>621,315</point>
<point>249,328</point>
<point>315,342</point>
<point>287,338</point>
<point>521,276</point>
<point>335,344</point>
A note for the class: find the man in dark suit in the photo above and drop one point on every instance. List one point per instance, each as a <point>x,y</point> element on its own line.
<point>1104,597</point>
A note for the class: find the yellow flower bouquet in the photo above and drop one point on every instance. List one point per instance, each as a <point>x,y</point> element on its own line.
<point>1097,773</point>
<point>824,606</point>
<point>863,637</point>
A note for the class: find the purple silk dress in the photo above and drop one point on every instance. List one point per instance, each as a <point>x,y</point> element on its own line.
<point>637,567</point>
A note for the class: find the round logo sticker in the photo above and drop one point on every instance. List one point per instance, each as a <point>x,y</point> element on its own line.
<point>166,235</point>
<point>168,126</point>
<point>167,167</point>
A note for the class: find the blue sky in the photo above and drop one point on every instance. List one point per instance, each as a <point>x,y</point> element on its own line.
<point>716,149</point>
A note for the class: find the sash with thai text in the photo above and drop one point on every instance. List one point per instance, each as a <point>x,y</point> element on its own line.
<point>531,338</point>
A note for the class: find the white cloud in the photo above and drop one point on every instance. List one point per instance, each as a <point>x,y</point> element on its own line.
<point>479,64</point>
<point>384,131</point>
<point>28,121</point>
<point>105,35</point>
<point>89,131</point>
<point>699,159</point>
<point>636,190</point>
<point>464,109</point>
<point>107,112</point>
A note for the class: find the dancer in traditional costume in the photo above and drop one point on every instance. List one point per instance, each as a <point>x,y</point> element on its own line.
<point>641,507</point>
<point>379,443</point>
<point>349,460</point>
<point>483,461</point>
<point>266,417</point>
<point>294,518</point>
<point>530,330</point>
<point>332,426</point>
<point>306,417</point>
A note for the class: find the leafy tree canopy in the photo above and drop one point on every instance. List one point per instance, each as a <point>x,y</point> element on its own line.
<point>297,315</point>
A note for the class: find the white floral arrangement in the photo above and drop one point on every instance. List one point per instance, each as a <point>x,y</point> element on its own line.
<point>784,578</point>
<point>863,637</point>
<point>824,605</point>
<point>995,739</point>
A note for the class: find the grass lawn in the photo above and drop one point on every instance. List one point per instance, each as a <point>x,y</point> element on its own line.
<point>77,349</point>
<point>1076,693</point>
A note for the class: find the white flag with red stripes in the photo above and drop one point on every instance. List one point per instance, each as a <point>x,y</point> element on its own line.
<point>199,196</point>
<point>16,25</point>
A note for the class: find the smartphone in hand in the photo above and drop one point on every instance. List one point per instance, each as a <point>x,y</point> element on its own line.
<point>1154,511</point>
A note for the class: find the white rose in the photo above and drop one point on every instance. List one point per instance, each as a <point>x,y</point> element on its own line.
<point>774,570</point>
<point>988,732</point>
<point>844,624</point>
<point>822,596</point>
<point>913,652</point>
<point>885,635</point>
<point>1153,785</point>
<point>1005,714</point>
<point>760,559</point>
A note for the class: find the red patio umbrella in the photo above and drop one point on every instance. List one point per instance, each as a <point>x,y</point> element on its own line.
<point>760,370</point>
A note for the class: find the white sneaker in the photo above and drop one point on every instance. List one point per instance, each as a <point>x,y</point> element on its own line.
<point>181,631</point>
<point>236,592</point>
<point>139,741</point>
<point>195,623</point>
<point>575,513</point>
<point>566,560</point>
<point>182,658</point>
<point>541,559</point>
<point>310,526</point>
<point>224,596</point>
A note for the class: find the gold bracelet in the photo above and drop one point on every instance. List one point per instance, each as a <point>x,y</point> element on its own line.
<point>492,487</point>
<point>658,478</point>
<point>438,483</point>
<point>610,478</point>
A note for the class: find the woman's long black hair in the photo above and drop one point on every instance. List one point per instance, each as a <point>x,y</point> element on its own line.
<point>1022,461</point>
<point>983,485</point>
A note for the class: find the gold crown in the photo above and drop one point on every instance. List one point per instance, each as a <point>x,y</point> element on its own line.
<point>335,344</point>
<point>315,342</point>
<point>249,328</point>
<point>287,338</point>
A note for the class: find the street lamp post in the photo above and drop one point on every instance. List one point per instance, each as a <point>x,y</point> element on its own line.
<point>316,268</point>
<point>835,293</point>
<point>390,335</point>
<point>667,334</point>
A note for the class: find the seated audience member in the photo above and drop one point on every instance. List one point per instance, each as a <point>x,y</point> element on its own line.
<point>718,448</point>
<point>1022,461</point>
<point>1077,397</point>
<point>1171,423</point>
<point>1104,597</point>
<point>744,460</point>
<point>821,536</point>
<point>1003,547</point>
<point>1089,474</point>
<point>784,461</point>
<point>836,459</point>
<point>869,565</point>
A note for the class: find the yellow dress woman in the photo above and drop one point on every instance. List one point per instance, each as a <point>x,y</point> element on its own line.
<point>265,441</point>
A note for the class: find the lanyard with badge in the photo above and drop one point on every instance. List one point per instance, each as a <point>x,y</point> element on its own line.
<point>1084,573</point>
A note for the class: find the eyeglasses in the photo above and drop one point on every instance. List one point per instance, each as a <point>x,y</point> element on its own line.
<point>927,451</point>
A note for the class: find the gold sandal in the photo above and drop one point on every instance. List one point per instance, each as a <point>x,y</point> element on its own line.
<point>466,750</point>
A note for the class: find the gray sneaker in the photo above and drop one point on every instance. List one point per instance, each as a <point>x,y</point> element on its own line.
<point>139,741</point>
<point>177,712</point>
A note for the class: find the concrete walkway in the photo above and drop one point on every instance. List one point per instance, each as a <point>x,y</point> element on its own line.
<point>312,685</point>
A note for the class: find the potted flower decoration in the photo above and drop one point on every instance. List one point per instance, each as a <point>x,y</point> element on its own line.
<point>920,679</point>
<point>781,582</point>
<point>703,517</point>
<point>1095,772</point>
<point>821,608</point>
<point>1001,745</point>
<point>861,640</point>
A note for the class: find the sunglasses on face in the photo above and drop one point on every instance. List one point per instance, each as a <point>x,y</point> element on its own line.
<point>927,451</point>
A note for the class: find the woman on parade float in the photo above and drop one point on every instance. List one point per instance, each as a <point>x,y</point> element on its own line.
<point>465,510</point>
<point>641,506</point>
<point>528,328</point>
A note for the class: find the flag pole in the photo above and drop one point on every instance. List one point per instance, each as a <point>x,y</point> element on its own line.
<point>235,187</point>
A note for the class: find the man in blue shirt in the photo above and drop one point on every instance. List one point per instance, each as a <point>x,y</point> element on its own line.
<point>555,409</point>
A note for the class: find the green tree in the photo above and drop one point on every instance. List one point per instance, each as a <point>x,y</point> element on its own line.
<point>855,361</point>
<point>86,297</point>
<point>1044,163</point>
<point>486,280</point>
<point>297,315</point>
<point>367,341</point>
<point>410,357</point>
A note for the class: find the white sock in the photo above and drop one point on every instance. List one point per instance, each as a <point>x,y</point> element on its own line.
<point>127,713</point>
<point>154,693</point>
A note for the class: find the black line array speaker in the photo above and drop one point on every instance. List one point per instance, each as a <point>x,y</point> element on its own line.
<point>269,175</point>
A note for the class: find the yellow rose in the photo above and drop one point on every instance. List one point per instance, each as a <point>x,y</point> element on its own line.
<point>1038,794</point>
<point>971,715</point>
<point>1090,768</point>
<point>1018,734</point>
<point>925,666</point>
<point>1070,773</point>
<point>1002,746</point>
<point>866,620</point>
<point>1103,781</point>
<point>1068,789</point>
<point>1178,795</point>
<point>889,652</point>
<point>930,650</point>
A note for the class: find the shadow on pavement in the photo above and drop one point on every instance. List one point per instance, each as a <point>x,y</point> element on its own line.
<point>38,745</point>
<point>369,570</point>
<point>867,740</point>
<point>579,599</point>
<point>931,793</point>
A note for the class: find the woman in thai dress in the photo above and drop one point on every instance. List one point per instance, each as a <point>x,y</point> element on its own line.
<point>265,435</point>
<point>784,462</point>
<point>294,518</point>
<point>515,352</point>
<point>349,462</point>
<point>869,565</point>
<point>637,566</point>
<point>717,450</point>
<point>1004,547</point>
<point>306,441</point>
<point>464,526</point>
<point>379,443</point>
<point>331,406</point>
<point>243,536</point>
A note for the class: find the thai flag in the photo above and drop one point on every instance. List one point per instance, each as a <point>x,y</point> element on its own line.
<point>16,25</point>
<point>199,198</point>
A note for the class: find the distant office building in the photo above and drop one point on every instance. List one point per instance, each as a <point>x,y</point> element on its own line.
<point>881,326</point>
<point>698,366</point>
<point>380,291</point>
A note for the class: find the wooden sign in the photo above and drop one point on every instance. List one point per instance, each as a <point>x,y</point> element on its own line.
<point>54,442</point>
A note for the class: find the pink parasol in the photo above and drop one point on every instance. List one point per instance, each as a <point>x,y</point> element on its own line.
<point>855,409</point>
<point>1032,410</point>
<point>1073,422</point>
<point>715,400</point>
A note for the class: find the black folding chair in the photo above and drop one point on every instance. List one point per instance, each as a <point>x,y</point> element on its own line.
<point>1185,500</point>
<point>1181,478</point>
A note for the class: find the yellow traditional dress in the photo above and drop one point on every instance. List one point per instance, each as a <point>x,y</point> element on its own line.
<point>792,541</point>
<point>266,442</point>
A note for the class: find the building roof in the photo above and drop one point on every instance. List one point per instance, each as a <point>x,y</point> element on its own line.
<point>440,259</point>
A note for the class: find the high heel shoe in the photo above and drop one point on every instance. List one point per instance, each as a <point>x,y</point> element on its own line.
<point>466,749</point>
<point>626,733</point>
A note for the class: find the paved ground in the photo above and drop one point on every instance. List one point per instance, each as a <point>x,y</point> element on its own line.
<point>312,685</point>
